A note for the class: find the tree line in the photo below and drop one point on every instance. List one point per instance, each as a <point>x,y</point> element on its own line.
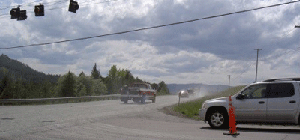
<point>70,85</point>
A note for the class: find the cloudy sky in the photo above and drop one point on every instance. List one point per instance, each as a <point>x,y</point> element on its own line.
<point>204,51</point>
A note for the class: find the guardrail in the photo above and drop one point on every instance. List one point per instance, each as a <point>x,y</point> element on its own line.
<point>59,100</point>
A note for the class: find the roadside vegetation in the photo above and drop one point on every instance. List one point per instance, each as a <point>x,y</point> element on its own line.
<point>191,109</point>
<point>19,81</point>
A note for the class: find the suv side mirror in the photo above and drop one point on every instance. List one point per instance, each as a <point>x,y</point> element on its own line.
<point>240,97</point>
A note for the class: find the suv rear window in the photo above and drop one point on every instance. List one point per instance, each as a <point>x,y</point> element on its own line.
<point>280,90</point>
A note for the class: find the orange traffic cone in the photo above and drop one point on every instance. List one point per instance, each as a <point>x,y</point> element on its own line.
<point>232,123</point>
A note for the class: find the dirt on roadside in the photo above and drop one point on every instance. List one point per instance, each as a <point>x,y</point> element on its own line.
<point>169,110</point>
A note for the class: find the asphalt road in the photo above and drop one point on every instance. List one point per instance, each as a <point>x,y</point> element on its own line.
<point>112,119</point>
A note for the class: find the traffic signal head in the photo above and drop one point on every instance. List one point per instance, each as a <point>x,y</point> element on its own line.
<point>73,6</point>
<point>39,10</point>
<point>23,15</point>
<point>18,14</point>
<point>14,13</point>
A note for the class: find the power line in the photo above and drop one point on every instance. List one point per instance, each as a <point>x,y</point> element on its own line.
<point>153,27</point>
<point>240,75</point>
<point>265,58</point>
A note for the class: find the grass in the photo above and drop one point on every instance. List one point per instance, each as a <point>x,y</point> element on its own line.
<point>191,109</point>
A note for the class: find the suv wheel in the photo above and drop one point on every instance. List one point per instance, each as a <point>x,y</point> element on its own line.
<point>218,119</point>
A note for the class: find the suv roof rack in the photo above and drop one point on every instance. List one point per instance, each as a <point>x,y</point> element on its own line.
<point>282,79</point>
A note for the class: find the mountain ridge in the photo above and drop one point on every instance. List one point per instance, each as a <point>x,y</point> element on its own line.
<point>18,70</point>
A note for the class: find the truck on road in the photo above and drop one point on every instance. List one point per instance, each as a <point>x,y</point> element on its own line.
<point>138,92</point>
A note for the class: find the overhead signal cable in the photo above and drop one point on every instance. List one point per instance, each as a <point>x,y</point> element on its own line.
<point>61,7</point>
<point>83,4</point>
<point>54,2</point>
<point>32,3</point>
<point>153,27</point>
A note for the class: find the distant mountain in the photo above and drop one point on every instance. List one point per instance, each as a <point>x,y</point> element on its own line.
<point>200,89</point>
<point>17,70</point>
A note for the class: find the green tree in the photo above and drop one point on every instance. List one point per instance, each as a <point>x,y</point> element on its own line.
<point>99,87</point>
<point>95,73</point>
<point>128,78</point>
<point>81,91</point>
<point>162,88</point>
<point>67,85</point>
<point>112,82</point>
<point>154,86</point>
<point>18,90</point>
<point>22,92</point>
<point>84,82</point>
<point>5,88</point>
<point>4,71</point>
<point>82,74</point>
<point>6,84</point>
<point>138,80</point>
<point>52,90</point>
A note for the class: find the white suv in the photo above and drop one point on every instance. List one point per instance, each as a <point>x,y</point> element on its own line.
<point>270,101</point>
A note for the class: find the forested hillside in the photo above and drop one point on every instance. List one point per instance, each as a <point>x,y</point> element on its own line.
<point>19,81</point>
<point>18,70</point>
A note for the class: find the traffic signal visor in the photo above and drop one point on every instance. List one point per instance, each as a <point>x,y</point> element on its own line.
<point>73,6</point>
<point>14,13</point>
<point>39,10</point>
<point>23,15</point>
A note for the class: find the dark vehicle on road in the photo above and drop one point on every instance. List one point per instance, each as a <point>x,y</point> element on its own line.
<point>138,92</point>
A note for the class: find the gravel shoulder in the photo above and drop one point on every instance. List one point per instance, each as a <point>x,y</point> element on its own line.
<point>168,110</point>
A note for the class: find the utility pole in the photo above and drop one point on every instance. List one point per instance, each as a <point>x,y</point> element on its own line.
<point>229,79</point>
<point>256,62</point>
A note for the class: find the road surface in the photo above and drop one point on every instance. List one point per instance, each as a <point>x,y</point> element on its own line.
<point>112,119</point>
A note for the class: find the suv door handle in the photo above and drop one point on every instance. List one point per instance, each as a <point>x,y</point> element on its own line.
<point>292,101</point>
<point>261,102</point>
